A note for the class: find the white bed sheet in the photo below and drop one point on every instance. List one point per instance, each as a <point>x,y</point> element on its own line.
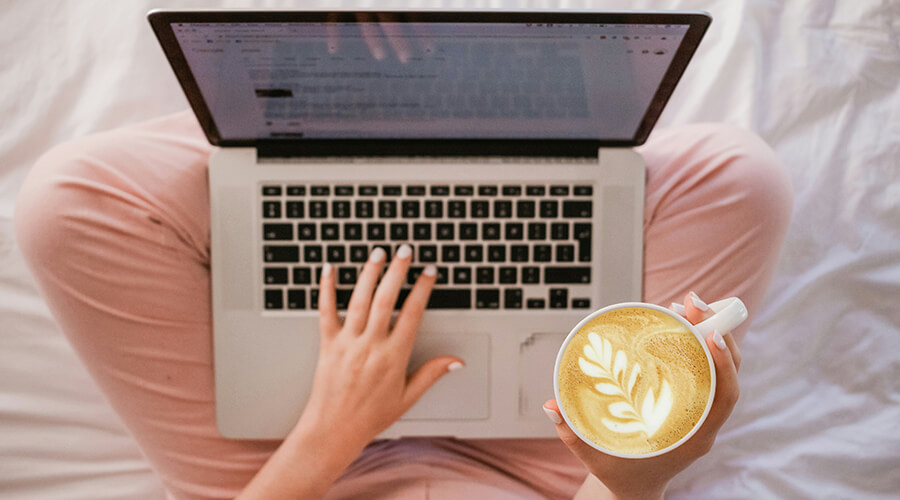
<point>820,401</point>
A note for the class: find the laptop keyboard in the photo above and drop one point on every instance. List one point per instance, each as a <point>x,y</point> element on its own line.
<point>495,246</point>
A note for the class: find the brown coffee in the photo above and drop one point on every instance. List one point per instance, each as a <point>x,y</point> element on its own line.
<point>634,380</point>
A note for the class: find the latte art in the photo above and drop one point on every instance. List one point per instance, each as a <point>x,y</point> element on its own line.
<point>634,380</point>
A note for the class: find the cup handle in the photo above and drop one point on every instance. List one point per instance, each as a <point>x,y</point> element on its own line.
<point>729,313</point>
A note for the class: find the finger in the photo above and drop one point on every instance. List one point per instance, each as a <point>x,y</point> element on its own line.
<point>427,375</point>
<point>735,351</point>
<point>372,35</point>
<point>358,308</point>
<point>578,447</point>
<point>329,324</point>
<point>727,390</point>
<point>407,326</point>
<point>395,36</point>
<point>387,292</point>
<point>678,309</point>
<point>695,309</point>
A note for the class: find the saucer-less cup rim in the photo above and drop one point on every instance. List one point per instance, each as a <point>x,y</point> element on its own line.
<point>729,313</point>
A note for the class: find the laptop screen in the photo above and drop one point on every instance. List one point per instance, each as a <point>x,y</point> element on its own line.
<point>389,76</point>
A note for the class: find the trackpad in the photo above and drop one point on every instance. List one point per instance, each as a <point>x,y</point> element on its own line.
<point>459,395</point>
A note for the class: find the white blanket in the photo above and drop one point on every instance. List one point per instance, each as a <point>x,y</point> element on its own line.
<point>820,400</point>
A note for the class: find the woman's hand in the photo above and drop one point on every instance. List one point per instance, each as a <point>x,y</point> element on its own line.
<point>647,478</point>
<point>361,386</point>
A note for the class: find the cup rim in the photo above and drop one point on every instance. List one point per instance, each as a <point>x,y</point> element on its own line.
<point>623,305</point>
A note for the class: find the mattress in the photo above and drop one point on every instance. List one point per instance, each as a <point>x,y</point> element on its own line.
<point>817,79</point>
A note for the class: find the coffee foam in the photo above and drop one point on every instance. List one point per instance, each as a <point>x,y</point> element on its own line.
<point>634,380</point>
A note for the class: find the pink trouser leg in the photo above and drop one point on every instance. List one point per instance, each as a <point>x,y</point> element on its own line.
<point>115,228</point>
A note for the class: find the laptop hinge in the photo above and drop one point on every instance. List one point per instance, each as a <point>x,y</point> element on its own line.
<point>426,148</point>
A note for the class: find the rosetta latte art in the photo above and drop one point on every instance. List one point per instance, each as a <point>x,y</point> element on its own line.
<point>618,378</point>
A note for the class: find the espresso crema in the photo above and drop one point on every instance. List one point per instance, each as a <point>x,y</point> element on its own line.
<point>634,380</point>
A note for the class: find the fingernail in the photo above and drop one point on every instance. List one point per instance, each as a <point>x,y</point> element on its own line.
<point>719,340</point>
<point>326,270</point>
<point>679,308</point>
<point>456,365</point>
<point>377,255</point>
<point>552,415</point>
<point>699,304</point>
<point>429,270</point>
<point>404,251</point>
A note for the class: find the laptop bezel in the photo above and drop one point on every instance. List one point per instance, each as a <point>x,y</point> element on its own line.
<point>161,22</point>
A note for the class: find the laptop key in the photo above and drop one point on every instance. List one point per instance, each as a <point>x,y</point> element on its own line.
<point>271,190</point>
<point>583,237</point>
<point>537,231</point>
<point>365,209</point>
<point>484,275</point>
<point>278,232</point>
<point>462,275</point>
<point>531,275</point>
<point>387,209</point>
<point>375,231</point>
<point>581,303</point>
<point>468,231</point>
<point>464,190</point>
<point>296,298</point>
<point>518,253</point>
<point>507,275</point>
<point>502,209</point>
<point>535,190</point>
<point>565,253</point>
<point>271,209</point>
<point>391,190</point>
<point>302,275</point>
<point>512,298</point>
<point>512,190</point>
<point>434,209</point>
<point>440,190</point>
<point>450,253</point>
<point>274,299</point>
<point>577,209</point>
<point>443,298</point>
<point>559,190</point>
<point>331,232</point>
<point>480,209</point>
<point>497,253</point>
<point>427,253</point>
<point>474,253</point>
<point>443,276</point>
<point>415,190</point>
<point>525,209</point>
<point>312,253</point>
<point>543,253</point>
<point>421,231</point>
<point>514,230</point>
<point>359,253</point>
<point>487,298</point>
<point>353,231</point>
<point>336,253</point>
<point>536,304</point>
<point>456,209</point>
<point>559,231</point>
<point>296,190</point>
<point>490,231</point>
<point>281,253</point>
<point>559,298</point>
<point>446,231</point>
<point>275,275</point>
<point>549,209</point>
<point>583,191</point>
<point>306,231</point>
<point>320,190</point>
<point>343,190</point>
<point>387,252</point>
<point>409,209</point>
<point>318,209</point>
<point>558,275</point>
<point>294,209</point>
<point>340,209</point>
<point>412,274</point>
<point>400,231</point>
<point>487,190</point>
<point>368,190</point>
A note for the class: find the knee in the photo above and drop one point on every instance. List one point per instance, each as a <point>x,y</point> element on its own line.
<point>755,178</point>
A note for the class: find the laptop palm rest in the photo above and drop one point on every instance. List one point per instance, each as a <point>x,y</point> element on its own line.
<point>459,395</point>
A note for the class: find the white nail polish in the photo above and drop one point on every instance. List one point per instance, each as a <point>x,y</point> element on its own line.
<point>377,255</point>
<point>719,340</point>
<point>698,303</point>
<point>429,270</point>
<point>326,270</point>
<point>552,415</point>
<point>456,365</point>
<point>404,251</point>
<point>678,308</point>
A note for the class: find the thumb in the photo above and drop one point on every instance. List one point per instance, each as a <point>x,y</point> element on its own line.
<point>578,447</point>
<point>427,375</point>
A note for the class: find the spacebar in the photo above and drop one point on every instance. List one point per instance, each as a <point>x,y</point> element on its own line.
<point>450,299</point>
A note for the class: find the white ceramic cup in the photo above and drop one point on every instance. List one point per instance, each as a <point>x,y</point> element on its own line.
<point>728,314</point>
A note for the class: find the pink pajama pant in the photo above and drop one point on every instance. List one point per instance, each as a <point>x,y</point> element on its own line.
<point>115,227</point>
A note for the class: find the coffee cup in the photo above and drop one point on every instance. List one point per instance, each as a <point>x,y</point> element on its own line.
<point>636,380</point>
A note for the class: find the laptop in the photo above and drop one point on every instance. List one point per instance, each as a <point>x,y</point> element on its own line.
<point>498,144</point>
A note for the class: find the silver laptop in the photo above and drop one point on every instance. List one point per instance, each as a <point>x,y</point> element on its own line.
<point>497,144</point>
